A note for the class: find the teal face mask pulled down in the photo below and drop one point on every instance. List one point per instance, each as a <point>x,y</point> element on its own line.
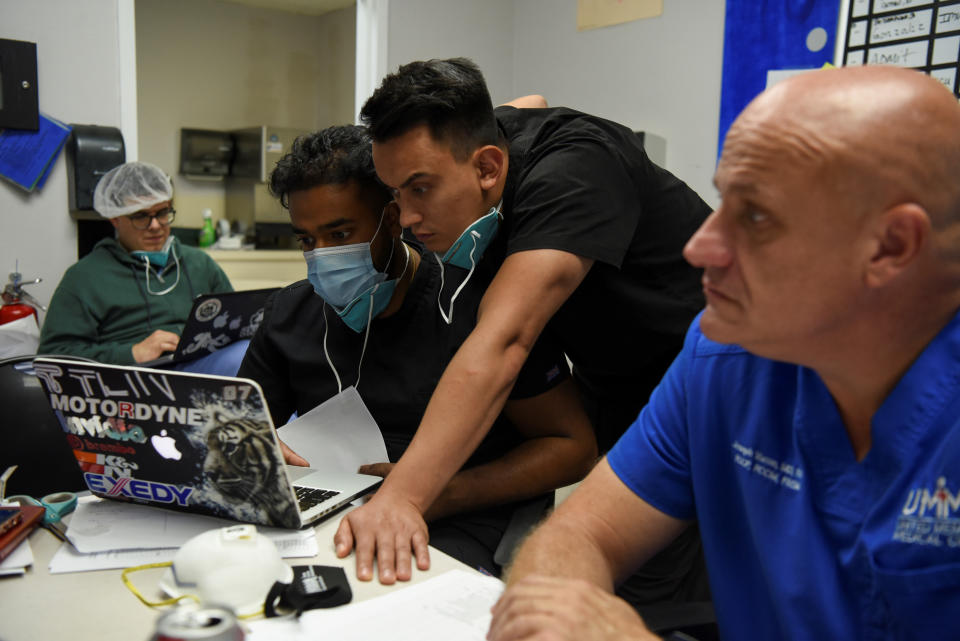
<point>156,258</point>
<point>159,260</point>
<point>467,251</point>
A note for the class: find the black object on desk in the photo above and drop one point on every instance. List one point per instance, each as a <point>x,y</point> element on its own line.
<point>313,586</point>
<point>32,436</point>
<point>31,516</point>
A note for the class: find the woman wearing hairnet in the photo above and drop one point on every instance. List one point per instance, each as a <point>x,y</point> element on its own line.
<point>127,300</point>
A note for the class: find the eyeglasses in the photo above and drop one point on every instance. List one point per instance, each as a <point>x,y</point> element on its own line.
<point>142,220</point>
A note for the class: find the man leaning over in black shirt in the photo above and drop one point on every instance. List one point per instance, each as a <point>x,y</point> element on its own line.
<point>367,317</point>
<point>584,234</point>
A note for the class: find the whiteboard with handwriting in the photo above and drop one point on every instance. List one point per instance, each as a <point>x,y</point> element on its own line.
<point>920,34</point>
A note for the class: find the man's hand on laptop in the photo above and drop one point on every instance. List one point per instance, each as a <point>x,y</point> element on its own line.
<point>292,458</point>
<point>155,345</point>
<point>390,528</point>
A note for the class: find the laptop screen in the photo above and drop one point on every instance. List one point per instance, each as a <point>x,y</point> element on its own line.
<point>217,320</point>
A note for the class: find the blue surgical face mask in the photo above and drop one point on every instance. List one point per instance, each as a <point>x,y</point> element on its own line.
<point>358,314</point>
<point>466,252</point>
<point>156,258</point>
<point>340,274</point>
<point>369,303</point>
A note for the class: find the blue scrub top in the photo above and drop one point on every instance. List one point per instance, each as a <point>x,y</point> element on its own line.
<point>802,541</point>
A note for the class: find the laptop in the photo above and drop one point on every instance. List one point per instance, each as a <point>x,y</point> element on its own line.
<point>215,321</point>
<point>188,442</point>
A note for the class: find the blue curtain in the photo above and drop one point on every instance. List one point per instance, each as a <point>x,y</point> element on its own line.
<point>760,35</point>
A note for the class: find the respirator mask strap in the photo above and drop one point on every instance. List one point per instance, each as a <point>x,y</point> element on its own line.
<point>448,319</point>
<point>168,289</point>
<point>171,601</point>
<point>326,326</point>
<point>366,335</point>
<point>152,604</point>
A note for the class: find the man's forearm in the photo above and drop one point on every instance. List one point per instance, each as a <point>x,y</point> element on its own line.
<point>561,549</point>
<point>465,403</point>
<point>601,533</point>
<point>528,289</point>
<point>532,468</point>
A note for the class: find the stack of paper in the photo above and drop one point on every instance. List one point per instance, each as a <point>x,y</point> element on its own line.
<point>112,534</point>
<point>18,561</point>
<point>26,157</point>
<point>453,605</point>
<point>15,549</point>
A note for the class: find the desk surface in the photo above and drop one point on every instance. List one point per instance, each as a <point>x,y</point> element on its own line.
<point>96,605</point>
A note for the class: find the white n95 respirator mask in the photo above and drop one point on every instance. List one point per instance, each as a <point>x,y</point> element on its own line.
<point>233,566</point>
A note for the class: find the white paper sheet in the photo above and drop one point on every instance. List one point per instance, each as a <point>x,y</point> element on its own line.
<point>67,559</point>
<point>99,525</point>
<point>19,337</point>
<point>453,605</point>
<point>18,560</point>
<point>339,434</point>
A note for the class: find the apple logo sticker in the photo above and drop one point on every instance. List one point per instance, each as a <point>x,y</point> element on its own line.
<point>165,446</point>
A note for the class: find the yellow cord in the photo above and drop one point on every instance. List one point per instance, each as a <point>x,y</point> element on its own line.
<point>156,604</point>
<point>136,592</point>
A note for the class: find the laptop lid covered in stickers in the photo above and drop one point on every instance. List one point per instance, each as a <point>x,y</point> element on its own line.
<point>215,321</point>
<point>189,442</point>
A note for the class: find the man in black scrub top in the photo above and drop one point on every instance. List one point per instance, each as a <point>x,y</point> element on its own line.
<point>375,325</point>
<point>586,235</point>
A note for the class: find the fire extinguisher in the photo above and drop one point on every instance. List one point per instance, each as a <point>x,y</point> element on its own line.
<point>17,303</point>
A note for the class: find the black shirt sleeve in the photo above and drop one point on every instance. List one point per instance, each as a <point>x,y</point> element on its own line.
<point>576,186</point>
<point>265,364</point>
<point>545,368</point>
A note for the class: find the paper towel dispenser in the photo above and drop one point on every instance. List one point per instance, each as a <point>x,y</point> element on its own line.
<point>205,153</point>
<point>92,151</point>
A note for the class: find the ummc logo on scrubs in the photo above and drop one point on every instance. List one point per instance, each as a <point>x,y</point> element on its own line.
<point>941,501</point>
<point>930,517</point>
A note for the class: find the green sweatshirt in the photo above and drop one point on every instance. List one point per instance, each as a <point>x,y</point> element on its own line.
<point>102,306</point>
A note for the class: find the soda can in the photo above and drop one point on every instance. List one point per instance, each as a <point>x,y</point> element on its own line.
<point>190,622</point>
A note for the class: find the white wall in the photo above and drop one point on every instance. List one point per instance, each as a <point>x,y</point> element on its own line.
<point>482,31</point>
<point>79,82</point>
<point>660,74</point>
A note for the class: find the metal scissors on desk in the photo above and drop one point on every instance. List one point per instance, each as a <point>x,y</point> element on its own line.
<point>56,505</point>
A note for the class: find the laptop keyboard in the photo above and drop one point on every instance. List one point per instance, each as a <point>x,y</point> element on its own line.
<point>309,497</point>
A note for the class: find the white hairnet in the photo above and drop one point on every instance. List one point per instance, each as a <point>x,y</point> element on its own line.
<point>131,187</point>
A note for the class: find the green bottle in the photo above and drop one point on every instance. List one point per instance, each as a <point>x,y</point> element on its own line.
<point>208,234</point>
